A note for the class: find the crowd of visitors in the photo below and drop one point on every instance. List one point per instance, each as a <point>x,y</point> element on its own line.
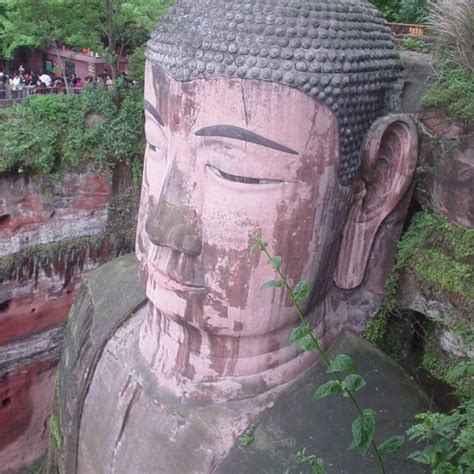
<point>23,83</point>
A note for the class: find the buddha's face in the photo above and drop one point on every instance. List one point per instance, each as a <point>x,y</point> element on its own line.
<point>226,159</point>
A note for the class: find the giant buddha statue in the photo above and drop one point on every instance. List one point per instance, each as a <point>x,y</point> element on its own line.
<point>262,116</point>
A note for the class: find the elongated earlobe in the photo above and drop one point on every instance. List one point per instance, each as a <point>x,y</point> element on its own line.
<point>388,164</point>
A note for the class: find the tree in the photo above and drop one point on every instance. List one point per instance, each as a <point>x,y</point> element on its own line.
<point>115,27</point>
<point>110,27</point>
<point>35,24</point>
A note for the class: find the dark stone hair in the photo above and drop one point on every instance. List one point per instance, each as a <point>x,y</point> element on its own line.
<point>339,52</point>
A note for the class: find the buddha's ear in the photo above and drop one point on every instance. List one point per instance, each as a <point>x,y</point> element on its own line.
<point>388,164</point>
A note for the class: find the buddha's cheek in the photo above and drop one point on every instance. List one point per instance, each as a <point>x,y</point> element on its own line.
<point>235,274</point>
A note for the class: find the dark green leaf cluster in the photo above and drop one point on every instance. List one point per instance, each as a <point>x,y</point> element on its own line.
<point>448,440</point>
<point>50,133</point>
<point>404,11</point>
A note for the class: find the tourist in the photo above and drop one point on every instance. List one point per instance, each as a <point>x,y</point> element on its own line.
<point>109,82</point>
<point>46,79</point>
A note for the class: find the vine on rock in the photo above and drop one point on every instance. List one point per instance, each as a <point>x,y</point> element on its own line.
<point>363,427</point>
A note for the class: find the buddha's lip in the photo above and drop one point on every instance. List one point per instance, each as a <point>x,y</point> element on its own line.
<point>163,280</point>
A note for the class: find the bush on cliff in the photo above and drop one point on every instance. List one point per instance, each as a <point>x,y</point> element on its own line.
<point>50,133</point>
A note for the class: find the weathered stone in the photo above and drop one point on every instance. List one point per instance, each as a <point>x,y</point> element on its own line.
<point>323,427</point>
<point>446,174</point>
<point>445,308</point>
<point>57,231</point>
<point>41,211</point>
<point>26,402</point>
<point>248,145</point>
<point>418,69</point>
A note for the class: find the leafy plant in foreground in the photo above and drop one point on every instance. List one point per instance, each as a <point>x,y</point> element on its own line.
<point>363,427</point>
<point>448,440</point>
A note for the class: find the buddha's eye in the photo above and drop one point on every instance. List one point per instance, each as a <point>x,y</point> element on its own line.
<point>241,179</point>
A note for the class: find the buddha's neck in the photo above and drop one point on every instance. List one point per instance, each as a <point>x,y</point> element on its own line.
<point>210,367</point>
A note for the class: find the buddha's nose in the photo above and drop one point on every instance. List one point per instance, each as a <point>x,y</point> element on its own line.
<point>176,226</point>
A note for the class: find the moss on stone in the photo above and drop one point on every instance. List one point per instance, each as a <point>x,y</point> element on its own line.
<point>45,254</point>
<point>440,256</point>
<point>441,365</point>
<point>440,252</point>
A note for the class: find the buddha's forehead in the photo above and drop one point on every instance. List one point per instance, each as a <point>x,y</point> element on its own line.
<point>257,105</point>
<point>340,52</point>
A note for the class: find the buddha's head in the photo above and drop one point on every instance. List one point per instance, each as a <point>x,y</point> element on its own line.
<point>262,117</point>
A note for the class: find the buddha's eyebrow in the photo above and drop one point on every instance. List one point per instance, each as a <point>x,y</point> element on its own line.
<point>231,131</point>
<point>154,113</point>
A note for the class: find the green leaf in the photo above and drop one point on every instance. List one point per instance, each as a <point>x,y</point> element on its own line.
<point>273,284</point>
<point>363,429</point>
<point>420,457</point>
<point>299,333</point>
<point>301,290</point>
<point>307,343</point>
<point>318,466</point>
<point>392,445</point>
<point>333,387</point>
<point>342,363</point>
<point>353,382</point>
<point>275,262</point>
<point>456,372</point>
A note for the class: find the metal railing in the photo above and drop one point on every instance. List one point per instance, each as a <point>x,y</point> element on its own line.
<point>10,96</point>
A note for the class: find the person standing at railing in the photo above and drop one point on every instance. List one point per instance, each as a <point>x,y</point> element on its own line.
<point>16,84</point>
<point>46,79</point>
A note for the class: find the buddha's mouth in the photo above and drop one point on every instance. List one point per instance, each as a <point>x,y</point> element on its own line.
<point>163,280</point>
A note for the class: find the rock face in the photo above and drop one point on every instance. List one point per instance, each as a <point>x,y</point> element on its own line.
<point>36,212</point>
<point>418,69</point>
<point>52,232</point>
<point>446,173</point>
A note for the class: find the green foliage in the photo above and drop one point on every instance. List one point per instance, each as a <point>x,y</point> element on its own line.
<point>412,11</point>
<point>108,27</point>
<point>403,11</point>
<point>448,440</point>
<point>453,24</point>
<point>389,8</point>
<point>136,64</point>
<point>341,363</point>
<point>363,430</point>
<point>412,44</point>
<point>316,464</point>
<point>55,432</point>
<point>301,291</point>
<point>375,330</point>
<point>49,133</point>
<point>439,251</point>
<point>247,437</point>
<point>392,445</point>
<point>449,368</point>
<point>453,92</point>
<point>353,383</point>
<point>273,284</point>
<point>333,387</point>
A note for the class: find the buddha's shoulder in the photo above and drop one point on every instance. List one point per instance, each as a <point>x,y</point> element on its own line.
<point>104,301</point>
<point>113,288</point>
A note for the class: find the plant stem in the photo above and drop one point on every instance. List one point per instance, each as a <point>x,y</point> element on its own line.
<point>318,348</point>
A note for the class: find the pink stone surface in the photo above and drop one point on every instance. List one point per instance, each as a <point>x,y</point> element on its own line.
<point>447,172</point>
<point>211,332</point>
<point>37,212</point>
<point>390,151</point>
<point>26,403</point>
